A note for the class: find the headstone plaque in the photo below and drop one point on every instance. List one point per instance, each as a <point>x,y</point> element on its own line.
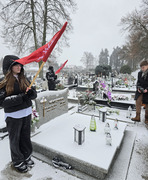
<point>51,104</point>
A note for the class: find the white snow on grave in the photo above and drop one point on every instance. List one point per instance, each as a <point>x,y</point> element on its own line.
<point>119,114</point>
<point>59,135</point>
<point>46,93</point>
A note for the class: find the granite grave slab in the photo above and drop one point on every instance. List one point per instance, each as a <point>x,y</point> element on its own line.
<point>93,157</point>
<point>51,104</point>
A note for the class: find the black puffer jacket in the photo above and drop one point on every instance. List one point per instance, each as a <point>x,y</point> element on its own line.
<point>143,83</point>
<point>17,100</point>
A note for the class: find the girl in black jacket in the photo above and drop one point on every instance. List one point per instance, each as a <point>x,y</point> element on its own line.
<point>15,98</point>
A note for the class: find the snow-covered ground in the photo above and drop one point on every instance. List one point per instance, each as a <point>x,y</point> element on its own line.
<point>137,168</point>
<point>41,171</point>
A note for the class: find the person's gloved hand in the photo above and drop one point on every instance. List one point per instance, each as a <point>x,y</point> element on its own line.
<point>29,92</point>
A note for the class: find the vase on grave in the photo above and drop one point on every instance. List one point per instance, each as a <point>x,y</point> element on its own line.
<point>93,126</point>
<point>33,126</point>
<point>89,107</point>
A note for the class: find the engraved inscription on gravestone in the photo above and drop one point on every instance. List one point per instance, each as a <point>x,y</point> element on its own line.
<point>51,104</point>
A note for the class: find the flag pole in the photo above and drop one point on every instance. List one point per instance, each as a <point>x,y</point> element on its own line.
<point>37,74</point>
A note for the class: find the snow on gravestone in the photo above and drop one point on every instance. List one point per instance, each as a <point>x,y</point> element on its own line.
<point>51,104</point>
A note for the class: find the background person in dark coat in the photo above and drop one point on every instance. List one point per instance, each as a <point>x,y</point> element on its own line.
<point>15,98</point>
<point>51,78</point>
<point>76,80</point>
<point>141,95</point>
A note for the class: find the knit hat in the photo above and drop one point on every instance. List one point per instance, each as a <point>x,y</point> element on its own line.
<point>8,62</point>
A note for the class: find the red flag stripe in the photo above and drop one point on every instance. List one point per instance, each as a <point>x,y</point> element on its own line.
<point>43,52</point>
<point>61,67</point>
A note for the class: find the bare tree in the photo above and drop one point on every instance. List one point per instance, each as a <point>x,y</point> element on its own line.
<point>29,24</point>
<point>88,60</point>
<point>136,24</point>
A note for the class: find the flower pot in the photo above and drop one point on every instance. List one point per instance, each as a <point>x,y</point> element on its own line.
<point>33,127</point>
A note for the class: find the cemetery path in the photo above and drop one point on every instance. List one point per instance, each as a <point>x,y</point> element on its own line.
<point>138,169</point>
<point>134,167</point>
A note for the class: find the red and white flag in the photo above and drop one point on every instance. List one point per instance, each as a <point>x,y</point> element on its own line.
<point>43,52</point>
<point>61,67</point>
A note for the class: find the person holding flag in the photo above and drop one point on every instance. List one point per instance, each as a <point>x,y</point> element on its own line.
<point>15,98</point>
<point>16,93</point>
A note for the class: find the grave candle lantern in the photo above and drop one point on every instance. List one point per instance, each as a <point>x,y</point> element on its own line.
<point>107,128</point>
<point>129,112</point>
<point>116,124</point>
<point>79,134</point>
<point>108,139</point>
<point>102,115</point>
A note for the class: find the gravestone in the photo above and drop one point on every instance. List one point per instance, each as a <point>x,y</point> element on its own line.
<point>51,104</point>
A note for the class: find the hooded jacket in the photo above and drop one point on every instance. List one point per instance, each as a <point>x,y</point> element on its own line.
<point>18,100</point>
<point>8,62</point>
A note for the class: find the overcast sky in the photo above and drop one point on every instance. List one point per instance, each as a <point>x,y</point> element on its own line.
<point>96,27</point>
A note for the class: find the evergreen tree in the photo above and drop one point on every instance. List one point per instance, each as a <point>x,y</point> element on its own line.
<point>103,70</point>
<point>125,69</point>
<point>103,57</point>
<point>116,59</point>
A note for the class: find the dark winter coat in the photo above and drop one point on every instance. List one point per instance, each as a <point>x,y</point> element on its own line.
<point>18,100</point>
<point>50,76</point>
<point>142,83</point>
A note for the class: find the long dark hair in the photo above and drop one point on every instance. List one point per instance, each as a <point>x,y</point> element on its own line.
<point>9,80</point>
